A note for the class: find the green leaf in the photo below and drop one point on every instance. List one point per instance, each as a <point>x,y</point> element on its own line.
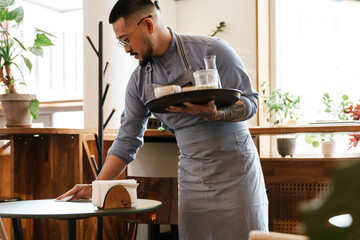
<point>6,3</point>
<point>38,51</point>
<point>20,44</point>
<point>316,144</point>
<point>42,31</point>
<point>42,40</point>
<point>17,14</point>
<point>308,139</point>
<point>34,108</point>
<point>3,15</point>
<point>27,63</point>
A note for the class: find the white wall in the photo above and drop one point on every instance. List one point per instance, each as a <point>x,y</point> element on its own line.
<point>121,67</point>
<point>117,73</point>
<point>202,17</point>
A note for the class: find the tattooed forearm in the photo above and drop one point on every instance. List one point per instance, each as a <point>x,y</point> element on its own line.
<point>235,112</point>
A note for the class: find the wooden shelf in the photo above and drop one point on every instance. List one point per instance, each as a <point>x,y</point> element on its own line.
<point>309,159</point>
<point>343,128</point>
<point>351,128</point>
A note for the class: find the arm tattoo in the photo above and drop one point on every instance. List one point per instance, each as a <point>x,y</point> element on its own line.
<point>233,113</point>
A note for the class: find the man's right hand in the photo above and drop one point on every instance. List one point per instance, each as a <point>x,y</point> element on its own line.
<point>113,167</point>
<point>79,191</point>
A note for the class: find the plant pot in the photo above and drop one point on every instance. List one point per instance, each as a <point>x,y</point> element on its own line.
<point>328,148</point>
<point>16,109</point>
<point>286,146</point>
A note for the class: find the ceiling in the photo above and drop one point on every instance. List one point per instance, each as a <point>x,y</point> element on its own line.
<point>59,5</point>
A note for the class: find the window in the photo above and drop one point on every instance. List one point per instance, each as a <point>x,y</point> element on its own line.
<point>317,50</point>
<point>59,74</point>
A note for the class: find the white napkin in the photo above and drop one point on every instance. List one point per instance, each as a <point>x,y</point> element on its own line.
<point>101,187</point>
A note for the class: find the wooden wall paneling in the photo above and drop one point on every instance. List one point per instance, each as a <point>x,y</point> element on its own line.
<point>26,170</point>
<point>6,174</point>
<point>6,183</point>
<point>45,166</point>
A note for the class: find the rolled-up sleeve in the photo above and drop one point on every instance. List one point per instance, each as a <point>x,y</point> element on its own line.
<point>133,124</point>
<point>233,75</point>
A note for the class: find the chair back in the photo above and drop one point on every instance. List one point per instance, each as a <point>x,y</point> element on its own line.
<point>3,235</point>
<point>164,189</point>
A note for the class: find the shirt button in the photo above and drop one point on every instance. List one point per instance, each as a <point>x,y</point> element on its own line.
<point>243,76</point>
<point>163,60</point>
<point>168,72</point>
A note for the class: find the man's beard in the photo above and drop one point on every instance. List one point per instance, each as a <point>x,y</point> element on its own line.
<point>148,54</point>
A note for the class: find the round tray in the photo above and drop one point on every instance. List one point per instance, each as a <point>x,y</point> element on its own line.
<point>223,97</point>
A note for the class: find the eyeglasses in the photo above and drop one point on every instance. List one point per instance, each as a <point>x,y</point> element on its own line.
<point>126,42</point>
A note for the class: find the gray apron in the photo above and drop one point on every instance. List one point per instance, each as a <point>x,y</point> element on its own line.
<point>221,187</point>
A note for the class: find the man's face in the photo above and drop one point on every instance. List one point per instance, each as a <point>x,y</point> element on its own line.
<point>134,40</point>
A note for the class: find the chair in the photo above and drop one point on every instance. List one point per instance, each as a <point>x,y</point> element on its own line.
<point>3,235</point>
<point>260,235</point>
<point>162,189</point>
<point>18,234</point>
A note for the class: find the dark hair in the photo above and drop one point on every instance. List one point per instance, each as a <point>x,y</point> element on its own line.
<point>126,8</point>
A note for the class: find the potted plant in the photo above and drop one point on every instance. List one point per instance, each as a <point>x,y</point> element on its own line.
<point>17,107</point>
<point>284,110</point>
<point>333,112</point>
<point>336,112</point>
<point>328,145</point>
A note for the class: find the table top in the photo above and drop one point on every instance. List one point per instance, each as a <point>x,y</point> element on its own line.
<point>50,208</point>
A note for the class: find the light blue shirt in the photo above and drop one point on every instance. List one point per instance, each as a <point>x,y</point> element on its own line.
<point>166,69</point>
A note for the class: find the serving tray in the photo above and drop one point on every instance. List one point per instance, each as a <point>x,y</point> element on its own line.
<point>223,97</point>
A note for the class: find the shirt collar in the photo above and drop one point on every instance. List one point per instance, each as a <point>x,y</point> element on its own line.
<point>170,51</point>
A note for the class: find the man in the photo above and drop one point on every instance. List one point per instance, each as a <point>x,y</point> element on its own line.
<point>221,187</point>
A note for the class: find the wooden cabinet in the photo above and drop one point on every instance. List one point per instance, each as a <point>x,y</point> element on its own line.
<point>291,181</point>
<point>42,163</point>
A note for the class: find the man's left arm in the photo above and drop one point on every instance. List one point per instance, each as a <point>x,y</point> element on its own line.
<point>209,112</point>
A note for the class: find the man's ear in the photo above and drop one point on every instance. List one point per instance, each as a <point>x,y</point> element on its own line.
<point>149,24</point>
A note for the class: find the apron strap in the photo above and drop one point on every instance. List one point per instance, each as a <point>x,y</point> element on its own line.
<point>183,56</point>
<point>148,75</point>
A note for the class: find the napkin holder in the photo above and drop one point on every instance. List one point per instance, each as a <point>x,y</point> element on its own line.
<point>116,197</point>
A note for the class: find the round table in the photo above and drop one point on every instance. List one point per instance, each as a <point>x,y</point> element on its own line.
<point>70,211</point>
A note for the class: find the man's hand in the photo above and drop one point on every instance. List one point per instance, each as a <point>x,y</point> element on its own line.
<point>79,191</point>
<point>205,111</point>
<point>113,167</point>
<point>209,112</point>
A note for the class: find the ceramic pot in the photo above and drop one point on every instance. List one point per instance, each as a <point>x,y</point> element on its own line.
<point>286,146</point>
<point>16,109</point>
<point>328,148</point>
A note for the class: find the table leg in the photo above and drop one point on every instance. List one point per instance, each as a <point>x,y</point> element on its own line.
<point>71,229</point>
<point>99,228</point>
<point>17,227</point>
